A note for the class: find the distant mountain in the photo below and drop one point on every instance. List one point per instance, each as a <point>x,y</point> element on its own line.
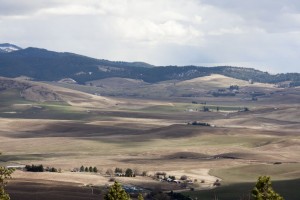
<point>6,48</point>
<point>44,65</point>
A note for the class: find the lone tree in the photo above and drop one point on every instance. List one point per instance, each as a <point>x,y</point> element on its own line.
<point>129,172</point>
<point>116,192</point>
<point>4,175</point>
<point>263,190</point>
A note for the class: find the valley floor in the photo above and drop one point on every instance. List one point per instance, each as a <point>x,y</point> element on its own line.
<point>149,136</point>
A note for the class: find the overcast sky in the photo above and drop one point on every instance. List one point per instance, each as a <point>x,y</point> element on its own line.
<point>264,34</point>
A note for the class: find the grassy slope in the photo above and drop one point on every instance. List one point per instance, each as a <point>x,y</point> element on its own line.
<point>195,87</point>
<point>13,106</point>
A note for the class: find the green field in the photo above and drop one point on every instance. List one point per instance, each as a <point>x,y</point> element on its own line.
<point>239,181</point>
<point>289,189</point>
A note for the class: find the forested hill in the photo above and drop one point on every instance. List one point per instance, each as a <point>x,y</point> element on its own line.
<point>44,65</point>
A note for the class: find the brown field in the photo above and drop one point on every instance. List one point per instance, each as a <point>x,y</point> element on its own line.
<point>149,135</point>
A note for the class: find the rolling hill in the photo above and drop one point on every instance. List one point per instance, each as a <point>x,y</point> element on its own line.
<point>198,87</point>
<point>41,92</point>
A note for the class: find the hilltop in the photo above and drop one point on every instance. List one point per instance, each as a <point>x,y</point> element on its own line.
<point>7,48</point>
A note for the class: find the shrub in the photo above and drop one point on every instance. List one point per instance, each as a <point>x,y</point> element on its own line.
<point>112,179</point>
<point>183,177</point>
<point>217,183</point>
<point>234,87</point>
<point>205,109</point>
<point>136,171</point>
<point>109,172</point>
<point>51,169</point>
<point>144,173</point>
<point>161,173</point>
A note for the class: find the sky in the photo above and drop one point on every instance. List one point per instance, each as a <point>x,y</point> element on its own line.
<point>263,34</point>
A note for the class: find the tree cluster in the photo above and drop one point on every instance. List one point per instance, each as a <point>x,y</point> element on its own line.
<point>88,169</point>
<point>119,171</point>
<point>52,169</point>
<point>35,168</point>
<point>234,87</point>
<point>223,94</point>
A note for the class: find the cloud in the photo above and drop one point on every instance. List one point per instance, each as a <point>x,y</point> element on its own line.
<point>261,34</point>
<point>22,8</point>
<point>71,10</point>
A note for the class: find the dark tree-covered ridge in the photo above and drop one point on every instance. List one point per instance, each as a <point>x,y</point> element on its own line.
<point>44,65</point>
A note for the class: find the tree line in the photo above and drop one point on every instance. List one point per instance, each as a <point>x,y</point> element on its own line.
<point>88,169</point>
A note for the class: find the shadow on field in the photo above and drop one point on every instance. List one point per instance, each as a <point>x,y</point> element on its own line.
<point>20,157</point>
<point>89,131</point>
<point>49,190</point>
<point>190,156</point>
<point>289,189</point>
<point>72,130</point>
<point>117,134</point>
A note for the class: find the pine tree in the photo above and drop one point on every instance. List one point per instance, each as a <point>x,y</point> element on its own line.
<point>116,192</point>
<point>90,169</point>
<point>82,168</point>
<point>263,190</point>
<point>140,197</point>
<point>95,169</point>
<point>4,175</point>
<point>3,194</point>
